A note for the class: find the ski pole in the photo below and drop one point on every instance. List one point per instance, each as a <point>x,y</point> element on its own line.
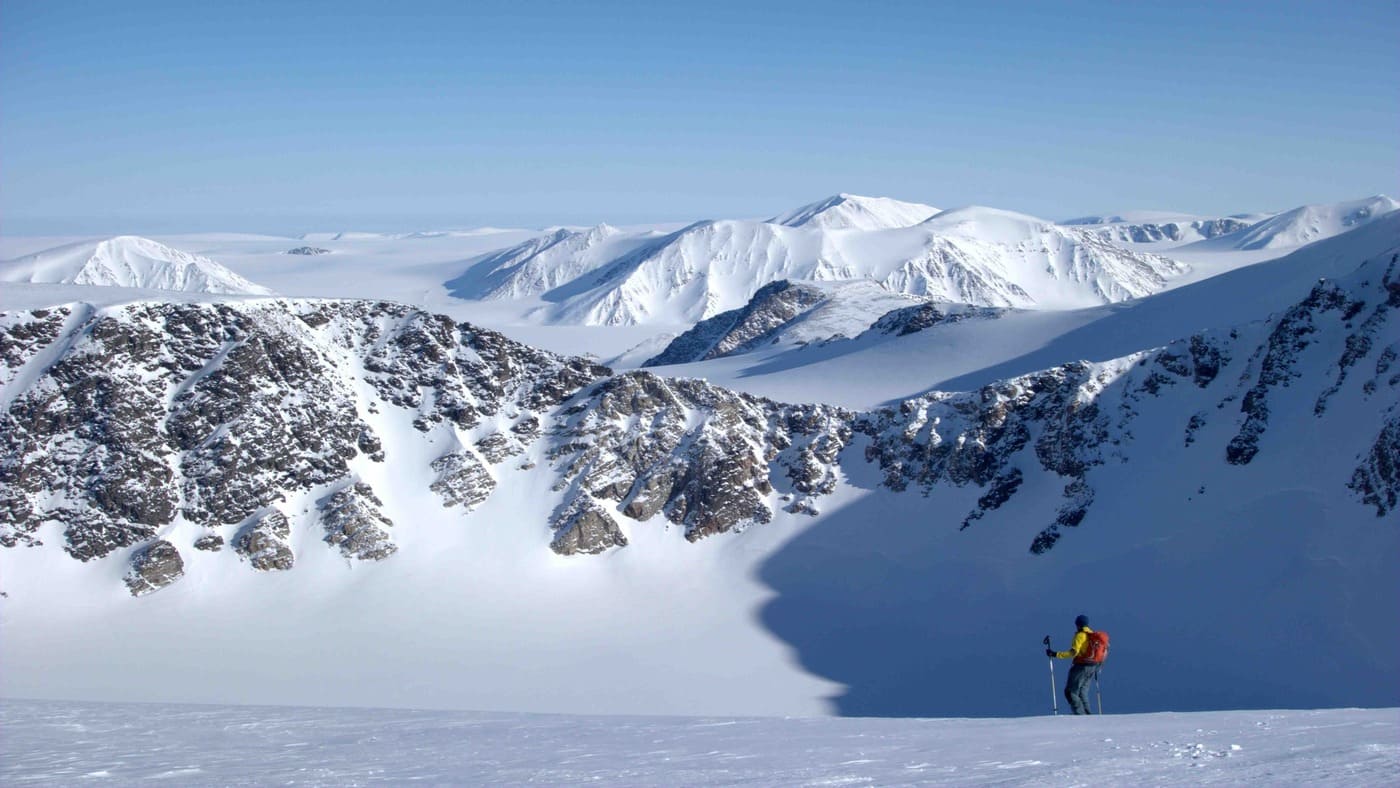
<point>1098,691</point>
<point>1054,702</point>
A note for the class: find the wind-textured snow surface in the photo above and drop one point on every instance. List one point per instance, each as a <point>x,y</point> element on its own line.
<point>97,744</point>
<point>129,261</point>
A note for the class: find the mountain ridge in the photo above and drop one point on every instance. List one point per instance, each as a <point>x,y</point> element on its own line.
<point>129,261</point>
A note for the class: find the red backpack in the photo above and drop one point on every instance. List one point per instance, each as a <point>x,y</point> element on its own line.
<point>1095,649</point>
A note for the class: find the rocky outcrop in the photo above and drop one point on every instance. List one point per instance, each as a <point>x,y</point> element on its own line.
<point>136,414</point>
<point>264,543</point>
<point>772,307</point>
<point>703,457</point>
<point>461,480</point>
<point>914,319</point>
<point>154,567</point>
<point>354,521</point>
<point>87,437</point>
<point>978,438</point>
<point>1377,479</point>
<point>1180,231</point>
<point>584,527</point>
<point>457,373</point>
<point>23,334</point>
<point>273,415</point>
<point>1278,359</point>
<point>308,250</point>
<point>137,417</point>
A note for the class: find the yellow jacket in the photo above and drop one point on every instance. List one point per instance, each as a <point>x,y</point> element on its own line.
<point>1080,642</point>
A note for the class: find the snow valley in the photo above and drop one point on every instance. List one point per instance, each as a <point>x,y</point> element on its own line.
<point>733,467</point>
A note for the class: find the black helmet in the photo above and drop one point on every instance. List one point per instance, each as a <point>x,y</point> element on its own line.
<point>1081,622</point>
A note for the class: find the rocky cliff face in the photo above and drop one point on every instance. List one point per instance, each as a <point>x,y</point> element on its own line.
<point>1180,231</point>
<point>124,425</point>
<point>772,307</point>
<point>707,459</point>
<point>132,418</point>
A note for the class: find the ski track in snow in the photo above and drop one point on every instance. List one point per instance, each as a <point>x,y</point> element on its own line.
<point>71,743</point>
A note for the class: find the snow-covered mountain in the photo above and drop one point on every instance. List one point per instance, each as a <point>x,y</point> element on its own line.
<point>854,212</point>
<point>128,261</point>
<point>183,450</point>
<point>1176,230</point>
<point>1309,223</point>
<point>541,265</point>
<point>979,256</point>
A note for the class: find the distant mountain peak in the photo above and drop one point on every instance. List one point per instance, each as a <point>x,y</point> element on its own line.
<point>855,212</point>
<point>130,261</point>
<point>1308,223</point>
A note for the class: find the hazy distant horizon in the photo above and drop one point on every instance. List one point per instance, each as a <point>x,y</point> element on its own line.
<point>156,116</point>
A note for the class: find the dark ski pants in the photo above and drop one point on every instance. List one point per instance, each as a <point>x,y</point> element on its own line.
<point>1077,687</point>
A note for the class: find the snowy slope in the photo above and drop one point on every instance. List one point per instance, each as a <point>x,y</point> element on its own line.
<point>128,261</point>
<point>1309,223</point>
<point>211,745</point>
<point>783,313</point>
<point>421,471</point>
<point>978,256</point>
<point>854,212</point>
<point>542,264</point>
<point>880,367</point>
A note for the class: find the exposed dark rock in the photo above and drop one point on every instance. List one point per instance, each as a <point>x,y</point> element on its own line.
<point>1198,420</point>
<point>265,543</point>
<point>91,533</point>
<point>584,527</point>
<point>271,415</point>
<point>527,428</point>
<point>1078,496</point>
<point>1377,478</point>
<point>22,334</point>
<point>212,543</point>
<point>498,447</point>
<point>308,250</point>
<point>1003,487</point>
<point>154,567</point>
<point>774,306</point>
<point>222,409</point>
<point>354,522</point>
<point>1361,341</point>
<point>1291,335</point>
<point>698,454</point>
<point>462,480</point>
<point>913,319</point>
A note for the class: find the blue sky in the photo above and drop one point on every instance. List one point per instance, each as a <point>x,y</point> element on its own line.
<point>292,116</point>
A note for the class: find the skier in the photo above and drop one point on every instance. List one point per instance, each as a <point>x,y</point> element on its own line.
<point>1086,666</point>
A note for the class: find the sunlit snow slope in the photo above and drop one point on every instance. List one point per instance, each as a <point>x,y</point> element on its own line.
<point>854,212</point>
<point>978,256</point>
<point>128,261</point>
<point>1310,223</point>
<point>497,527</point>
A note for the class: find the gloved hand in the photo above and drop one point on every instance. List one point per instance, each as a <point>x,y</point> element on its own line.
<point>1050,652</point>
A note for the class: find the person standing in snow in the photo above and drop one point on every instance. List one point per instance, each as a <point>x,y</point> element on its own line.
<point>1084,669</point>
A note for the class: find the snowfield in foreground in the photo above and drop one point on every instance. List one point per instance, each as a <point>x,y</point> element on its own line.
<point>48,742</point>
